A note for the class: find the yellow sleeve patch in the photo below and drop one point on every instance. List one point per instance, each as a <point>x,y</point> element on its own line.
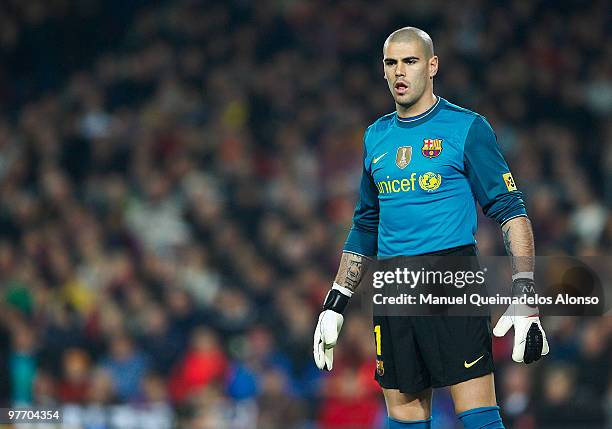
<point>509,181</point>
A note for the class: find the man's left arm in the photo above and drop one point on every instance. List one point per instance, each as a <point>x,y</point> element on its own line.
<point>495,189</point>
<point>519,244</point>
<point>530,341</point>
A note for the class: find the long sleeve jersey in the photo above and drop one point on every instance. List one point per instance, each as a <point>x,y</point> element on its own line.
<point>422,178</point>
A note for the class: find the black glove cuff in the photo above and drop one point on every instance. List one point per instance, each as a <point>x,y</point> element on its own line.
<point>523,287</point>
<point>335,301</point>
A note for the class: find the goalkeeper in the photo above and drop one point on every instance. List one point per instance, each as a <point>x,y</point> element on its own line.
<point>425,166</point>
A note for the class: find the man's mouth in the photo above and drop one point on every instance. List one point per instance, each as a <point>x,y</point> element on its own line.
<point>401,87</point>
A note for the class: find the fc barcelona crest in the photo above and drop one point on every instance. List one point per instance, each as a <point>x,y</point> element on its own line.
<point>431,147</point>
<point>380,367</point>
<point>403,156</point>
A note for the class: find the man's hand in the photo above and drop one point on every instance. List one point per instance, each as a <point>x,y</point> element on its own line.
<point>529,338</point>
<point>325,337</point>
<point>329,326</point>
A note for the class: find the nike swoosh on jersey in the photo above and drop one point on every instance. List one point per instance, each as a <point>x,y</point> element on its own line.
<point>471,364</point>
<point>378,158</point>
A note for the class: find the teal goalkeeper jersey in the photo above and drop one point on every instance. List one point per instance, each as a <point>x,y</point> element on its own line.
<point>422,177</point>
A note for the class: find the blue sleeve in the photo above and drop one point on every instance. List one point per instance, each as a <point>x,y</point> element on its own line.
<point>489,175</point>
<point>363,236</point>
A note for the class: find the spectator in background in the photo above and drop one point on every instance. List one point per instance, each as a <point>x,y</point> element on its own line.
<point>5,352</point>
<point>159,339</point>
<point>517,387</point>
<point>258,355</point>
<point>74,383</point>
<point>593,376</point>
<point>277,402</point>
<point>126,366</point>
<point>22,365</point>
<point>562,406</point>
<point>156,407</point>
<point>204,364</point>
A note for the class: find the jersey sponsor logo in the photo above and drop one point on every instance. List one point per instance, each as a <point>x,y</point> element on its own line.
<point>471,364</point>
<point>403,156</point>
<point>393,186</point>
<point>378,158</point>
<point>509,181</point>
<point>380,367</point>
<point>430,181</point>
<point>431,147</point>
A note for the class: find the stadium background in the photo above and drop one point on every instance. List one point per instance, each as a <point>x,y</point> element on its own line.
<point>177,179</point>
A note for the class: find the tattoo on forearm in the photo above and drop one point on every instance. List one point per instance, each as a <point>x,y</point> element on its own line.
<point>351,270</point>
<point>508,246</point>
<point>353,273</point>
<point>519,244</point>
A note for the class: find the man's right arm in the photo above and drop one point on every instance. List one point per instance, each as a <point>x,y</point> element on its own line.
<point>359,249</point>
<point>362,242</point>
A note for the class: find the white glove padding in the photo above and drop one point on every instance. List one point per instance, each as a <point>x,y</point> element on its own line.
<point>329,325</point>
<point>529,338</point>
<point>325,337</point>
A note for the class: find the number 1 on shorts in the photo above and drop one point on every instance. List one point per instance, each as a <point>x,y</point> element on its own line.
<point>377,339</point>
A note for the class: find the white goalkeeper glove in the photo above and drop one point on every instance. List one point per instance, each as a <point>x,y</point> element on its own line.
<point>530,342</point>
<point>329,326</point>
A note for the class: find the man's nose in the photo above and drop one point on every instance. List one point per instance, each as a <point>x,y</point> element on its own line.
<point>400,70</point>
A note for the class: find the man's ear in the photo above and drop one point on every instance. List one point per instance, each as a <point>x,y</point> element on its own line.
<point>433,66</point>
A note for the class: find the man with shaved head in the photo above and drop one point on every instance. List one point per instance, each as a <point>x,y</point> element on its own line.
<point>419,76</point>
<point>410,35</point>
<point>425,167</point>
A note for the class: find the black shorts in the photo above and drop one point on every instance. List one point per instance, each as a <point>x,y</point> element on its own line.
<point>417,352</point>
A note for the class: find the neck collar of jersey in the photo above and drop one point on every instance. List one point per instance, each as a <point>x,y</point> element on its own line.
<point>418,119</point>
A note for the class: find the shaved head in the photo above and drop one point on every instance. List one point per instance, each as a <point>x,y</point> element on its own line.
<point>409,35</point>
<point>409,67</point>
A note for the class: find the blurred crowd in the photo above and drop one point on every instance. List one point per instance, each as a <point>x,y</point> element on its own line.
<point>177,179</point>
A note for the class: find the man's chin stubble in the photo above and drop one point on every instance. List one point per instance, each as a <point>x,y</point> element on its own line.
<point>408,103</point>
